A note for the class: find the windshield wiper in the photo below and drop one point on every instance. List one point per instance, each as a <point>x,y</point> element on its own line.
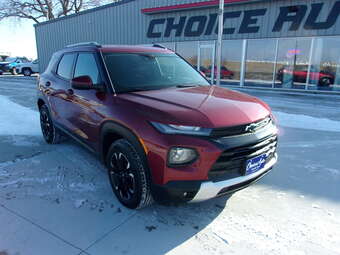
<point>187,85</point>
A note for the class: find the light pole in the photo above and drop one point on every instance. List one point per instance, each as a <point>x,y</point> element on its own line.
<point>219,43</point>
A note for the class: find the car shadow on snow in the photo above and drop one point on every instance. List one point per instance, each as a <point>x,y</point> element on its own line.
<point>161,229</point>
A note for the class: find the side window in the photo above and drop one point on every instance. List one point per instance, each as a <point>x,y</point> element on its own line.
<point>65,66</point>
<point>86,65</point>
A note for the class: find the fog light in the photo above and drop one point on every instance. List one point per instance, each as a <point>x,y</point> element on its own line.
<point>180,156</point>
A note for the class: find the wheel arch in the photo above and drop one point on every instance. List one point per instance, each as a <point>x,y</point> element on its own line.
<point>26,67</point>
<point>111,131</point>
<point>40,102</point>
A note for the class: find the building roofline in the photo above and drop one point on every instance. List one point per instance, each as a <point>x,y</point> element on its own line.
<point>85,12</point>
<point>194,5</point>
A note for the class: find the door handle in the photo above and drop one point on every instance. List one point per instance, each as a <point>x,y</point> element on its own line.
<point>47,84</point>
<point>70,92</point>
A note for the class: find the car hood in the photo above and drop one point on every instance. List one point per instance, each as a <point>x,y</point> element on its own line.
<point>4,63</point>
<point>206,106</point>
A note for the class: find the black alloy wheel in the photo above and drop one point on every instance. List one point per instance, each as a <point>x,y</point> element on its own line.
<point>122,176</point>
<point>128,174</point>
<point>50,133</point>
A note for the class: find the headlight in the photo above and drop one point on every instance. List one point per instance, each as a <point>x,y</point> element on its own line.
<point>179,129</point>
<point>181,156</point>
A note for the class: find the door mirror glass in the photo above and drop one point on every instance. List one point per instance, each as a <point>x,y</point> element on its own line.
<point>82,82</point>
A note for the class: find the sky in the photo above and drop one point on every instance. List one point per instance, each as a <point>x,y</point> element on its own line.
<point>18,38</point>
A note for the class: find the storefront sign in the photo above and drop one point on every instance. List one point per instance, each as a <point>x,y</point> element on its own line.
<point>297,16</point>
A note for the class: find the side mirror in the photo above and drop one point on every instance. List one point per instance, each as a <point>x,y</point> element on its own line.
<point>82,82</point>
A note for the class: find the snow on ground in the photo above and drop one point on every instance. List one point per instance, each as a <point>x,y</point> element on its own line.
<point>17,120</point>
<point>306,122</point>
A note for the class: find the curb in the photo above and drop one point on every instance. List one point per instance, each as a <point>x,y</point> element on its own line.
<point>20,78</point>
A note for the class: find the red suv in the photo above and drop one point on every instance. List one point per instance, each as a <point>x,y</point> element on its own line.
<point>225,72</point>
<point>300,74</point>
<point>162,130</point>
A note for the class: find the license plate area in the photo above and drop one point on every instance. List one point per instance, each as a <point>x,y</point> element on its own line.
<point>255,164</point>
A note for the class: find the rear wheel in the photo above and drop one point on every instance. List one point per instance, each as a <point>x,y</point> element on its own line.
<point>325,81</point>
<point>27,72</point>
<point>51,134</point>
<point>128,175</point>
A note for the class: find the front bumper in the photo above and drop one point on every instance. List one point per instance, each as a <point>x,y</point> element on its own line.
<point>210,189</point>
<point>196,191</point>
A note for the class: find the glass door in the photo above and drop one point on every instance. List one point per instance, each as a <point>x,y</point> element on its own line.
<point>206,60</point>
<point>292,64</point>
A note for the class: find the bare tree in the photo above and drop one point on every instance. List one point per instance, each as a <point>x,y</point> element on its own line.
<point>42,10</point>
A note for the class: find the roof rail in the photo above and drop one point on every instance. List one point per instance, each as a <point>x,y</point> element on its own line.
<point>95,44</point>
<point>158,45</point>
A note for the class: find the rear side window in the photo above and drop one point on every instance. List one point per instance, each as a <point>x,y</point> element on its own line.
<point>86,65</point>
<point>65,66</point>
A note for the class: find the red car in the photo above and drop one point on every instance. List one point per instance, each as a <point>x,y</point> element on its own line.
<point>162,131</point>
<point>300,74</point>
<point>225,73</point>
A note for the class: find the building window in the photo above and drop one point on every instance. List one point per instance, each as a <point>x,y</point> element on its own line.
<point>325,65</point>
<point>260,62</point>
<point>231,62</point>
<point>292,63</point>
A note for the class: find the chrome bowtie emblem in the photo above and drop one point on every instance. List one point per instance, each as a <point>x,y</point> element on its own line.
<point>251,128</point>
<point>254,126</point>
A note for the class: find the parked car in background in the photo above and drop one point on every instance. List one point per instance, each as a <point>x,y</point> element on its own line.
<point>203,70</point>
<point>162,130</point>
<point>29,68</point>
<point>225,72</point>
<point>10,64</point>
<point>4,67</point>
<point>300,73</point>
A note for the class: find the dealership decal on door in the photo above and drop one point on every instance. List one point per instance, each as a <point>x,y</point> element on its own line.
<point>296,16</point>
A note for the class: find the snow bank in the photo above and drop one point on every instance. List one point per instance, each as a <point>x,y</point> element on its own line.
<point>306,122</point>
<point>17,120</point>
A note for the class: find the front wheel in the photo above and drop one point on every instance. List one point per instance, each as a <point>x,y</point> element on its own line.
<point>27,72</point>
<point>128,175</point>
<point>51,134</point>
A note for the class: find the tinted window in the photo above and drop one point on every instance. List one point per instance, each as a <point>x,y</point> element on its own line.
<point>147,71</point>
<point>65,66</point>
<point>86,65</point>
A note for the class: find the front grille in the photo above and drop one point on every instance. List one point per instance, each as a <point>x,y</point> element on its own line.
<point>231,162</point>
<point>240,129</point>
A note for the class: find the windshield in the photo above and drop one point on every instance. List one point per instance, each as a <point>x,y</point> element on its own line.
<point>150,71</point>
<point>9,59</point>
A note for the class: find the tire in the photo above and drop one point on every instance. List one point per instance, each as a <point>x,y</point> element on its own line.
<point>27,72</point>
<point>128,174</point>
<point>325,81</point>
<point>51,134</point>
